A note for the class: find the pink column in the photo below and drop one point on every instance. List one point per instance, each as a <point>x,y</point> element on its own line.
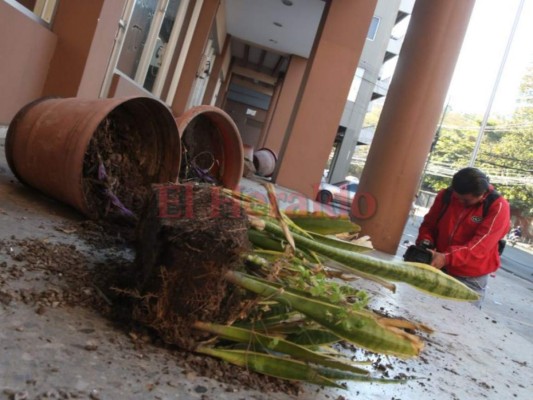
<point>331,69</point>
<point>409,118</point>
<point>284,103</point>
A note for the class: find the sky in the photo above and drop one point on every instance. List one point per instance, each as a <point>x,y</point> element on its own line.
<point>482,53</point>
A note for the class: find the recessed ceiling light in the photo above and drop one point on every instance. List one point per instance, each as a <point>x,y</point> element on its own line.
<point>277,24</point>
<point>287,2</point>
<point>273,41</point>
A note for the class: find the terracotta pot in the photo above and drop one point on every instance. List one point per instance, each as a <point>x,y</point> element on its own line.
<point>265,161</point>
<point>48,139</point>
<point>211,142</point>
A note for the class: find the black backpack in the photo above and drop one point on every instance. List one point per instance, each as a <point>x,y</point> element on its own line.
<point>486,205</point>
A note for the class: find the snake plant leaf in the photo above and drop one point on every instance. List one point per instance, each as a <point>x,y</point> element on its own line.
<point>271,343</point>
<point>322,223</point>
<point>359,274</point>
<point>420,276</point>
<point>347,376</point>
<point>313,337</point>
<point>268,323</point>
<point>271,193</point>
<point>279,367</point>
<point>339,244</point>
<point>359,298</point>
<point>265,241</point>
<point>358,327</point>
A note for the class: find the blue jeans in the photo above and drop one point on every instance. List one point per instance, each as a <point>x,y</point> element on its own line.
<point>478,284</point>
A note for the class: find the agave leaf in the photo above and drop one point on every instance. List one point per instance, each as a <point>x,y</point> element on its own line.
<point>279,367</point>
<point>276,344</point>
<point>421,276</point>
<point>322,223</point>
<point>358,327</point>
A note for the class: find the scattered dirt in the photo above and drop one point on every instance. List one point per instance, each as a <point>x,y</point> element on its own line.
<point>63,268</point>
<point>101,234</point>
<point>44,274</point>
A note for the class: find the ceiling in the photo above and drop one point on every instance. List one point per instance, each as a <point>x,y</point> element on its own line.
<point>265,32</point>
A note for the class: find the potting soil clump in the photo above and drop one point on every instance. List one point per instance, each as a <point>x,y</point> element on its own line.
<point>189,237</point>
<point>117,168</point>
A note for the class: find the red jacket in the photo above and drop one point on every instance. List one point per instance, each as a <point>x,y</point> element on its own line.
<point>468,241</point>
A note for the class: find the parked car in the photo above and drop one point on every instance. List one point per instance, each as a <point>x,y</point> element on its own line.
<point>340,193</point>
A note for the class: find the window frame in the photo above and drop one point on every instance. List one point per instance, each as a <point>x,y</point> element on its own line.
<point>37,17</point>
<point>373,28</point>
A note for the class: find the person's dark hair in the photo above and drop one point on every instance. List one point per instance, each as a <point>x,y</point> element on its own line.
<point>470,181</point>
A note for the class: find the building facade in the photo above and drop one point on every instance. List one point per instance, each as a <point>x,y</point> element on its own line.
<point>371,82</point>
<point>281,68</point>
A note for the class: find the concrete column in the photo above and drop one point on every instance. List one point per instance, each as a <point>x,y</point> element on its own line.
<point>321,99</point>
<point>409,119</point>
<point>194,56</point>
<point>371,62</point>
<point>284,103</point>
<point>339,169</point>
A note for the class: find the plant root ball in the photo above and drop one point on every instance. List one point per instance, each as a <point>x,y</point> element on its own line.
<point>188,238</point>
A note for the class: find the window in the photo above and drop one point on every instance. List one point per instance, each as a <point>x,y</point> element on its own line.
<point>373,30</point>
<point>150,41</point>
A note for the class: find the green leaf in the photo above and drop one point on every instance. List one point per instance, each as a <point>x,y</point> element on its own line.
<point>358,327</point>
<point>313,337</point>
<point>347,376</point>
<point>277,344</point>
<point>322,223</point>
<point>279,367</point>
<point>421,276</point>
<point>339,244</point>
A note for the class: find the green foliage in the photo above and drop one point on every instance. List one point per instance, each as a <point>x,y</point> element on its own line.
<point>507,147</point>
<point>305,305</point>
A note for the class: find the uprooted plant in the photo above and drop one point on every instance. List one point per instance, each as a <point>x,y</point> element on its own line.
<point>223,274</point>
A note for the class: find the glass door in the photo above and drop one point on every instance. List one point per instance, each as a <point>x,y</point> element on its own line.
<point>149,41</point>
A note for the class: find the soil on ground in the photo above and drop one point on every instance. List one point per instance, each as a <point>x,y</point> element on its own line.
<point>100,272</point>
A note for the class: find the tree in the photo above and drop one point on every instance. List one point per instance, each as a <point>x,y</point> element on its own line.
<point>506,149</point>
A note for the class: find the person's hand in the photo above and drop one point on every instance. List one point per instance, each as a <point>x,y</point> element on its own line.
<point>438,260</point>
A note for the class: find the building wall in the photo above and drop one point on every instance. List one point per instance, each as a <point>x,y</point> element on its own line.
<point>75,25</point>
<point>100,49</point>
<point>26,49</point>
<point>285,102</point>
